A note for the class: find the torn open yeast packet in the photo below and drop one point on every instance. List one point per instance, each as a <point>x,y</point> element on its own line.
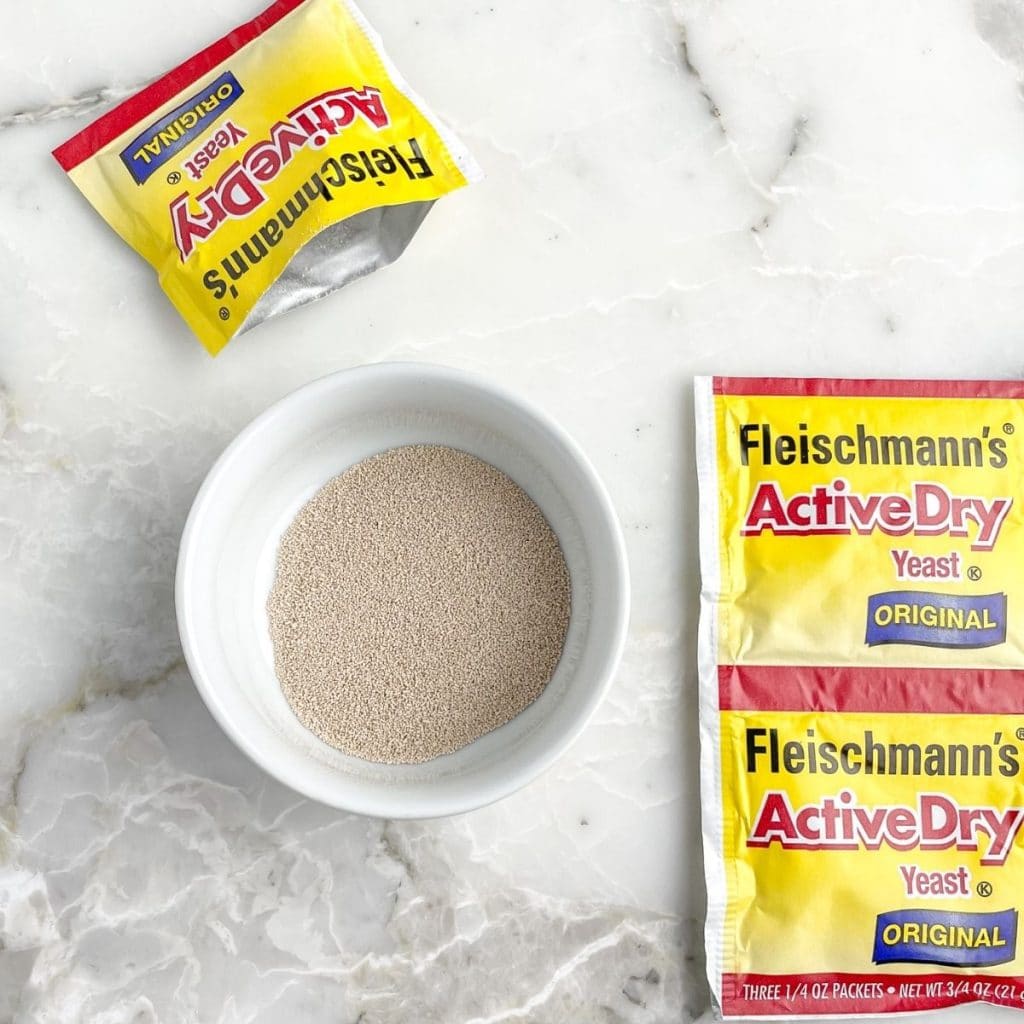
<point>276,165</point>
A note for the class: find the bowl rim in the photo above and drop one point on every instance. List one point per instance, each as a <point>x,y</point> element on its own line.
<point>283,769</point>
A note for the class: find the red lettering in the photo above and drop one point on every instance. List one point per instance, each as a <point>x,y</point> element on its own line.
<point>238,193</point>
<point>774,822</point>
<point>263,161</point>
<point>187,230</point>
<point>765,510</point>
<point>370,105</point>
<point>287,140</point>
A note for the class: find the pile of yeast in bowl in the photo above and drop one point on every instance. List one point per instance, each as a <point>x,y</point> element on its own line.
<point>420,600</point>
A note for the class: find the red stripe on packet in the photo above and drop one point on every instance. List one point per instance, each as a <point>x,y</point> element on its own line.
<point>936,691</point>
<point>829,387</point>
<point>764,995</point>
<point>128,114</point>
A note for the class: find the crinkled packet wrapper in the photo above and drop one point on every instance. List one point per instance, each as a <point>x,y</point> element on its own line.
<point>861,693</point>
<point>275,166</point>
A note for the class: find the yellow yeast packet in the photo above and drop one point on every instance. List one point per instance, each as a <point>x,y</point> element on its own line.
<point>278,164</point>
<point>862,693</point>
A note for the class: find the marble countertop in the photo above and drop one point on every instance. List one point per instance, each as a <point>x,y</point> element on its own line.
<point>672,188</point>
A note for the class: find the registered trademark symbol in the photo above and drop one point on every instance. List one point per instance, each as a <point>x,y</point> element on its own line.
<point>1020,733</point>
<point>1008,428</point>
<point>224,312</point>
<point>984,888</point>
<point>175,176</point>
<point>973,573</point>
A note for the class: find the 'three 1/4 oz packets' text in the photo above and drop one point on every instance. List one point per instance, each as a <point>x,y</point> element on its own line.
<point>280,163</point>
<point>862,693</point>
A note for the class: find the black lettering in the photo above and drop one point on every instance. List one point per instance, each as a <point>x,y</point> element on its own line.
<point>997,453</point>
<point>926,451</point>
<point>972,451</point>
<point>332,172</point>
<point>351,164</point>
<point>419,161</point>
<point>383,161</point>
<point>935,759</point>
<point>401,159</point>
<point>865,444</point>
<point>793,757</point>
<point>897,450</point>
<point>842,443</point>
<point>316,187</point>
<point>958,759</point>
<point>949,451</point>
<point>754,748</point>
<point>215,283</point>
<point>904,759</point>
<point>785,450</point>
<point>747,441</point>
<point>368,164</point>
<point>254,250</point>
<point>233,264</point>
<point>292,210</point>
<point>803,444</point>
<point>822,452</point>
<point>272,232</point>
<point>874,755</point>
<point>829,762</point>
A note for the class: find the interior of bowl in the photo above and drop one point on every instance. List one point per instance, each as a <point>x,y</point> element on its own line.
<point>229,556</point>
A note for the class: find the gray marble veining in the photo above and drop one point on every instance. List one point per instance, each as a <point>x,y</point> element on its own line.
<point>672,188</point>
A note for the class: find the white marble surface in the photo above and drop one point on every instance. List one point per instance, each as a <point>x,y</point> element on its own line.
<point>672,188</point>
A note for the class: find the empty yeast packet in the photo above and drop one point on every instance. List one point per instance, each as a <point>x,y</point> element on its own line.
<point>276,165</point>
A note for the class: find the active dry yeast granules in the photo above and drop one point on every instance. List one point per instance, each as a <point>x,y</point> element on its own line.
<point>862,693</point>
<point>421,600</point>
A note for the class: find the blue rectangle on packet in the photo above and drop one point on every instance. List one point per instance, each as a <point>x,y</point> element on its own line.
<point>936,620</point>
<point>949,938</point>
<point>163,139</point>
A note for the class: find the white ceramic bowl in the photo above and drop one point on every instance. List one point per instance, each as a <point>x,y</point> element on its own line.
<point>276,464</point>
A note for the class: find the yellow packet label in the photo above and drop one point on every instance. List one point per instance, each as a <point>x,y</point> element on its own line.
<point>862,693</point>
<point>291,127</point>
